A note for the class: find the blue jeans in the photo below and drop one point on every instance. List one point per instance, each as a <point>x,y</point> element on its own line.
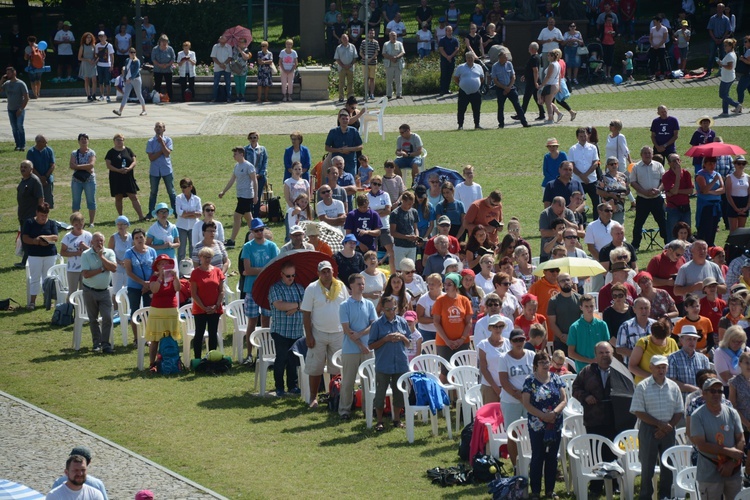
<point>423,53</point>
<point>712,46</point>
<point>673,217</point>
<point>726,99</point>
<point>89,187</point>
<point>168,184</point>
<point>742,86</point>
<point>261,187</point>
<point>543,456</point>
<point>227,81</point>
<point>16,125</point>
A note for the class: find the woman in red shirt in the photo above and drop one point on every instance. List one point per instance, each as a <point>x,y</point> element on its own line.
<point>163,318</point>
<point>207,290</point>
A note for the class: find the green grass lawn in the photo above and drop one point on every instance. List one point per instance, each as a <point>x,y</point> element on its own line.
<point>211,429</point>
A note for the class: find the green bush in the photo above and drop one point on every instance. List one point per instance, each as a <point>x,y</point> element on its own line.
<point>420,77</point>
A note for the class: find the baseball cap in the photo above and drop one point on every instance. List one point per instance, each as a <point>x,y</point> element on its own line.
<point>349,237</point>
<point>122,219</point>
<point>709,281</point>
<point>324,265</point>
<point>82,451</point>
<point>101,33</point>
<point>410,316</point>
<point>67,23</point>
<point>296,229</point>
<point>528,297</point>
<point>443,219</point>
<point>711,382</point>
<point>517,332</point>
<point>684,22</point>
<point>659,360</point>
<point>144,495</point>
<point>495,319</point>
<point>256,223</point>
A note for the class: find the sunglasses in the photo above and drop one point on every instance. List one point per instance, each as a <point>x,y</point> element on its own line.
<point>253,137</point>
<point>408,272</point>
<point>210,210</point>
<point>326,191</point>
<point>376,183</point>
<point>491,304</point>
<point>518,339</point>
<point>553,270</point>
<point>571,237</point>
<point>618,295</point>
<point>289,275</point>
<point>259,230</point>
<point>715,391</point>
<point>608,211</point>
<point>505,284</point>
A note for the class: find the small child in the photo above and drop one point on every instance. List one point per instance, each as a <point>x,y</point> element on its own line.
<point>415,347</point>
<point>558,363</point>
<point>537,338</point>
<point>365,172</point>
<point>627,65</point>
<point>682,37</point>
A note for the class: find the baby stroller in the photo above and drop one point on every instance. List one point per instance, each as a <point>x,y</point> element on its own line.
<point>593,64</point>
<point>640,57</point>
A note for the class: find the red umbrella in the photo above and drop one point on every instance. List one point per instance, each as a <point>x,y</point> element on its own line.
<point>714,149</point>
<point>305,268</point>
<point>233,35</point>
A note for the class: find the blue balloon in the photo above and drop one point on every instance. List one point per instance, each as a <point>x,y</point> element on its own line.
<point>42,45</point>
<point>618,79</point>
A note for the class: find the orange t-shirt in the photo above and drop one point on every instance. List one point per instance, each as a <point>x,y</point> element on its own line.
<point>453,313</point>
<point>703,325</point>
<point>544,291</point>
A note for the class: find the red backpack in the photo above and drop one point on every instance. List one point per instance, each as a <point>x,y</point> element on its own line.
<point>37,58</point>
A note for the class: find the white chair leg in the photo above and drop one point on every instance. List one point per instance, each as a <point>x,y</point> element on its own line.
<point>410,427</point>
<point>608,488</point>
<point>77,332</point>
<point>141,353</point>
<point>263,373</point>
<point>447,411</point>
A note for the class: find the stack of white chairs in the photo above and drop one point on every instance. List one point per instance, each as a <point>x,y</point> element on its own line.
<point>586,452</point>
<point>463,378</point>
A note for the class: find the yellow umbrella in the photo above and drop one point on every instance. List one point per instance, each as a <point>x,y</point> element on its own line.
<point>574,266</point>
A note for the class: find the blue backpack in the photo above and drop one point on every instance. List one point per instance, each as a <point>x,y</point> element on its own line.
<point>64,314</point>
<point>169,351</point>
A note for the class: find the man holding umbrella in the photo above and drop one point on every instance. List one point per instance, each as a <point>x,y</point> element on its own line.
<point>285,297</point>
<point>323,331</point>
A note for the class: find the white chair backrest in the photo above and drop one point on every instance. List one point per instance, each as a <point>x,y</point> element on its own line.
<point>236,311</point>
<point>336,359</point>
<point>596,300</point>
<point>573,426</point>
<point>568,380</point>
<point>686,481</point>
<point>519,433</point>
<point>586,449</point>
<point>429,347</point>
<point>681,437</point>
<point>743,494</point>
<point>464,377</point>
<point>464,358</point>
<point>404,385</point>
<point>261,338</point>
<point>187,319</point>
<point>123,304</point>
<point>76,298</point>
<point>140,317</point>
<point>550,348</point>
<point>677,457</point>
<point>59,272</point>
<point>366,372</point>
<point>627,442</point>
<point>473,397</point>
<point>428,363</point>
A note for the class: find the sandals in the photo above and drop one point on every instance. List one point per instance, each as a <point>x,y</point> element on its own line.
<point>379,427</point>
<point>398,424</point>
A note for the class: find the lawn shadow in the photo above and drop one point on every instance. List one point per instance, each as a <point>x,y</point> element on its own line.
<point>452,446</point>
<point>42,326</point>
<point>247,401</point>
<point>128,375</point>
<point>65,355</point>
<point>348,438</point>
<point>465,491</point>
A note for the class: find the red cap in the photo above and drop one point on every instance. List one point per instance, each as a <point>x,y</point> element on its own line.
<point>468,272</point>
<point>528,297</point>
<point>643,274</point>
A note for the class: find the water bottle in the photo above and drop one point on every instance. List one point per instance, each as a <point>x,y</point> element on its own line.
<point>124,164</point>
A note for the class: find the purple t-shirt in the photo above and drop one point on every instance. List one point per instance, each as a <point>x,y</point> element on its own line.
<point>363,220</point>
<point>664,130</point>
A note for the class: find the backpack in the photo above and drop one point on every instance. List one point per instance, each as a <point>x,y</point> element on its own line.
<point>37,58</point>
<point>465,444</point>
<point>508,488</point>
<point>274,210</point>
<point>334,393</point>
<point>213,367</point>
<point>50,292</point>
<point>485,468</point>
<point>169,352</point>
<point>63,315</point>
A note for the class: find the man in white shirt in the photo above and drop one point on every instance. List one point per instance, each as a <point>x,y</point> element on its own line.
<point>329,210</point>
<point>468,191</point>
<point>345,56</point>
<point>646,180</point>
<point>397,26</point>
<point>221,54</point>
<point>597,236</point>
<point>549,39</point>
<point>585,159</point>
<point>75,487</point>
<point>106,56</point>
<point>65,59</point>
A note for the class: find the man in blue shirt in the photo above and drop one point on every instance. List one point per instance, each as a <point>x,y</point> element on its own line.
<point>448,48</point>
<point>42,157</point>
<point>389,338</point>
<point>255,255</point>
<point>468,77</point>
<point>563,186</point>
<point>356,315</point>
<point>505,87</point>
<point>285,297</point>
<point>345,141</point>
<point>159,149</point>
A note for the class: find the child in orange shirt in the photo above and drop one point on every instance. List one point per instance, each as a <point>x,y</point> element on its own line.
<point>692,317</point>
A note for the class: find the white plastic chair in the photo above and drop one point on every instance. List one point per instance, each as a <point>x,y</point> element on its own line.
<point>187,324</point>
<point>429,363</point>
<point>574,407</point>
<point>686,481</point>
<point>596,300</point>
<point>463,378</point>
<point>236,312</point>
<point>303,380</point>
<point>496,439</point>
<point>675,459</point>
<point>366,372</point>
<point>59,272</point>
<point>429,347</point>
<point>628,445</point>
<point>550,348</point>
<point>586,452</point>
<point>81,317</point>
<point>473,401</point>
<point>518,432</point>
<point>572,427</point>
<point>336,359</point>
<point>229,294</point>
<point>261,339</point>
<point>464,358</point>
<point>568,380</point>
<point>373,114</point>
<point>123,308</point>
<point>404,385</point>
<point>681,437</point>
<point>743,494</point>
<point>140,318</point>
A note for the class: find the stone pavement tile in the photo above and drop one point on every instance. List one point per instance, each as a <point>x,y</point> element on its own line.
<point>35,445</point>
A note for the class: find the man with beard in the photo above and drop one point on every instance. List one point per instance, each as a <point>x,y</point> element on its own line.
<point>75,487</point>
<point>563,310</point>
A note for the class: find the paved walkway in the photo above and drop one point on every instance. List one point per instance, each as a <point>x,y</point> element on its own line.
<point>64,118</point>
<point>35,445</point>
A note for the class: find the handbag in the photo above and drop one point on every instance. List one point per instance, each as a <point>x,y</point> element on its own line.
<point>582,51</point>
<point>81,175</point>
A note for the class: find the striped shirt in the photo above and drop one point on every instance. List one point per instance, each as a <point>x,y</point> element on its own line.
<point>286,325</point>
<point>659,401</point>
